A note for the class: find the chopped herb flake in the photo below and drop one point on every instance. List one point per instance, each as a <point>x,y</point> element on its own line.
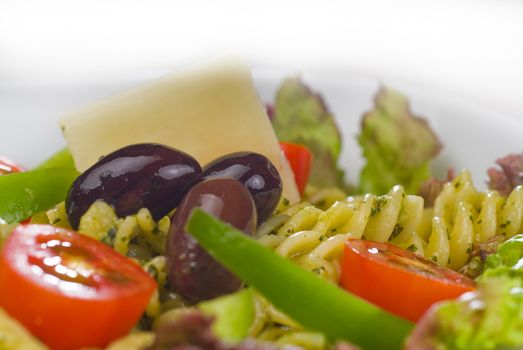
<point>152,270</point>
<point>412,248</point>
<point>505,224</point>
<point>397,230</point>
<point>378,205</point>
<point>318,270</point>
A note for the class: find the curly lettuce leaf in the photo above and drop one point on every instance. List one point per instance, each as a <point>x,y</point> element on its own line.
<point>233,315</point>
<point>507,175</point>
<point>489,318</point>
<point>397,145</point>
<point>507,261</point>
<point>301,116</point>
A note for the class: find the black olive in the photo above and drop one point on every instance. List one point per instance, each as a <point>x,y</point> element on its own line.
<point>258,175</point>
<point>192,272</point>
<point>138,176</point>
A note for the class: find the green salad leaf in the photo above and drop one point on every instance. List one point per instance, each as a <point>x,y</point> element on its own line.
<point>508,259</point>
<point>315,303</point>
<point>234,315</point>
<point>397,145</point>
<point>302,117</point>
<point>490,317</point>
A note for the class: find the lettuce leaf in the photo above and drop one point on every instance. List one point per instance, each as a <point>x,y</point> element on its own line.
<point>508,260</point>
<point>507,175</point>
<point>489,318</point>
<point>300,115</point>
<point>397,145</point>
<point>233,315</point>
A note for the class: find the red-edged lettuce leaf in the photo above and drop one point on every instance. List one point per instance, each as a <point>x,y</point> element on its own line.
<point>300,115</point>
<point>430,189</point>
<point>397,145</point>
<point>509,174</point>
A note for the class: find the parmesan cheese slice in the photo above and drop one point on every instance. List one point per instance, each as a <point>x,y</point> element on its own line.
<point>207,111</point>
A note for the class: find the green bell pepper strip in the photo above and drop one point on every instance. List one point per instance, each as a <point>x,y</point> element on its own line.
<point>61,159</point>
<point>24,194</point>
<point>315,303</point>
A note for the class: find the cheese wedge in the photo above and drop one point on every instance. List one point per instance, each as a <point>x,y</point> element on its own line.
<point>207,111</point>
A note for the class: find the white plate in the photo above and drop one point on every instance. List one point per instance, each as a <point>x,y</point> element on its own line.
<point>473,137</point>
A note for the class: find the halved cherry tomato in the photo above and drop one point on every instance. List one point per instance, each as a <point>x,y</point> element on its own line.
<point>397,280</point>
<point>7,166</point>
<point>300,160</point>
<point>70,290</point>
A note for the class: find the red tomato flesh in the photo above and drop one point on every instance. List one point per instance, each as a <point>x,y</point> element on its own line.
<point>300,160</point>
<point>397,280</point>
<point>7,166</point>
<point>70,290</point>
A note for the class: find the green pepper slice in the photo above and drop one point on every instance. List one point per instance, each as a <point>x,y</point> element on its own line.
<point>25,194</point>
<point>61,159</point>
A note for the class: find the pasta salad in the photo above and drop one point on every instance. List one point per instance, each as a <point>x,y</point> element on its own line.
<point>155,247</point>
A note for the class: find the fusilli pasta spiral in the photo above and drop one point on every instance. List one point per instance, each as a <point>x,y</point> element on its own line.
<point>463,216</point>
<point>445,233</point>
<point>272,325</point>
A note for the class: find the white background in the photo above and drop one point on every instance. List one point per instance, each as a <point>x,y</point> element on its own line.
<point>57,54</point>
<point>471,47</point>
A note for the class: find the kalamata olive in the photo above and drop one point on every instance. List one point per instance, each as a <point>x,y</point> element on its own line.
<point>145,175</point>
<point>258,175</point>
<point>191,271</point>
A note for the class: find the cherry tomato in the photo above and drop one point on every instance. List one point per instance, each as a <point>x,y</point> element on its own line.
<point>397,280</point>
<point>300,160</point>
<point>7,166</point>
<point>70,290</point>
